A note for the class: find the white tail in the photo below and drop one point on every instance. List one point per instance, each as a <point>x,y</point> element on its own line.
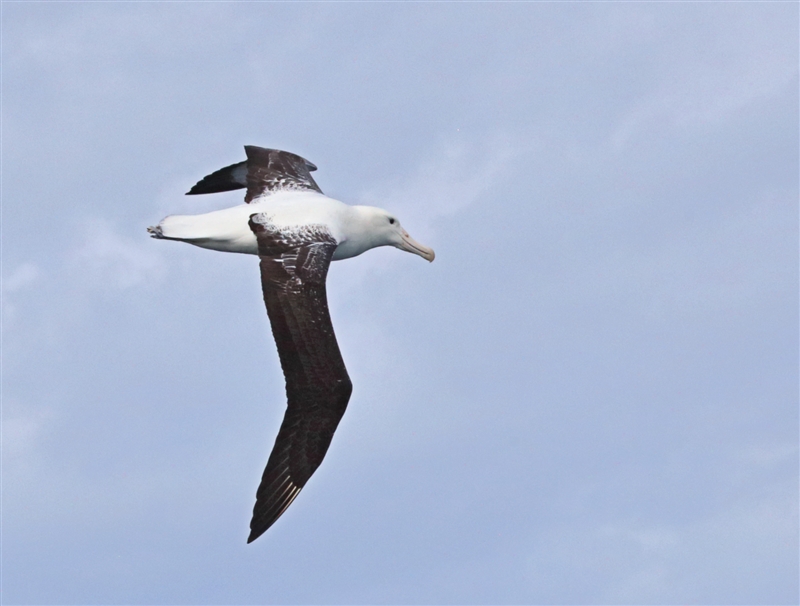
<point>179,227</point>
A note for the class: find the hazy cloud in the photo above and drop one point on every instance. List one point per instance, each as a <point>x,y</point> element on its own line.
<point>105,257</point>
<point>589,397</point>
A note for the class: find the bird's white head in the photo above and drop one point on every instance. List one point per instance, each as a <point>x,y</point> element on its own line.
<point>381,228</point>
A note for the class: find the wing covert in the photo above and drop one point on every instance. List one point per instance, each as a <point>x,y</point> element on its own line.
<point>271,170</point>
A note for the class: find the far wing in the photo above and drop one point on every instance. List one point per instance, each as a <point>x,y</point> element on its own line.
<point>265,171</point>
<point>271,170</point>
<point>294,265</point>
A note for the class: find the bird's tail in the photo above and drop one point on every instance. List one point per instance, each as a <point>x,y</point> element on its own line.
<point>177,227</point>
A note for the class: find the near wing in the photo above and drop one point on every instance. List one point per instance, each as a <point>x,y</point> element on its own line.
<point>265,171</point>
<point>294,265</point>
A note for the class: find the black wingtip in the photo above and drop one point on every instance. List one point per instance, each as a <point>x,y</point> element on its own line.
<point>254,535</point>
<point>208,186</point>
<point>225,179</point>
<point>258,527</point>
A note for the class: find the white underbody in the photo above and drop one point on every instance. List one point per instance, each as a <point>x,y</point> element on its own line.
<point>228,230</point>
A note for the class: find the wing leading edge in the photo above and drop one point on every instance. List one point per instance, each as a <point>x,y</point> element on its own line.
<point>294,265</point>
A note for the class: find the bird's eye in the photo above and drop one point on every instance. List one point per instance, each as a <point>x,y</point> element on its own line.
<point>391,221</point>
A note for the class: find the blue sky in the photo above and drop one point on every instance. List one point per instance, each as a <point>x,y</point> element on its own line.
<point>591,396</point>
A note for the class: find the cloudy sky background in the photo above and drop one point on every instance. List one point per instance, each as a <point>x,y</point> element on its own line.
<point>590,397</point>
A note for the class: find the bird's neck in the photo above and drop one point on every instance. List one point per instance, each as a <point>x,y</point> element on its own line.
<point>359,233</point>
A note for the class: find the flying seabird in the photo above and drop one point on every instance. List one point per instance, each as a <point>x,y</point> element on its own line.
<point>296,231</point>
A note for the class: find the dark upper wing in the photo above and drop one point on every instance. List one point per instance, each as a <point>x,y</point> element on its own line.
<point>265,171</point>
<point>270,170</point>
<point>294,265</point>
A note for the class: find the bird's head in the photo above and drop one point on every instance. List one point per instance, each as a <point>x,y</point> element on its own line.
<point>385,230</point>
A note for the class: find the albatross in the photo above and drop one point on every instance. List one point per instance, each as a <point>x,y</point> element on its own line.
<point>296,231</point>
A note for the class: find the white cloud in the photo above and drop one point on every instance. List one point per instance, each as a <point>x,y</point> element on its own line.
<point>23,276</point>
<point>735,265</point>
<point>15,282</point>
<point>711,76</point>
<point>110,258</point>
<point>646,539</point>
<point>23,430</point>
<point>714,558</point>
<point>453,176</point>
<point>767,455</point>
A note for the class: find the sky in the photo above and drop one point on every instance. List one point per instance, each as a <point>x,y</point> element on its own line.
<point>590,397</point>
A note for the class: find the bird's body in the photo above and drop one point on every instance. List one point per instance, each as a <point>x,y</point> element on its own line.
<point>296,231</point>
<point>227,230</point>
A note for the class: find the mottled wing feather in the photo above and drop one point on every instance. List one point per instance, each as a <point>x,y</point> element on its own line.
<point>294,265</point>
<point>271,170</point>
<point>265,172</point>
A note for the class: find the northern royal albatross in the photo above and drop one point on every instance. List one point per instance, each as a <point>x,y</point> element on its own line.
<point>296,231</point>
